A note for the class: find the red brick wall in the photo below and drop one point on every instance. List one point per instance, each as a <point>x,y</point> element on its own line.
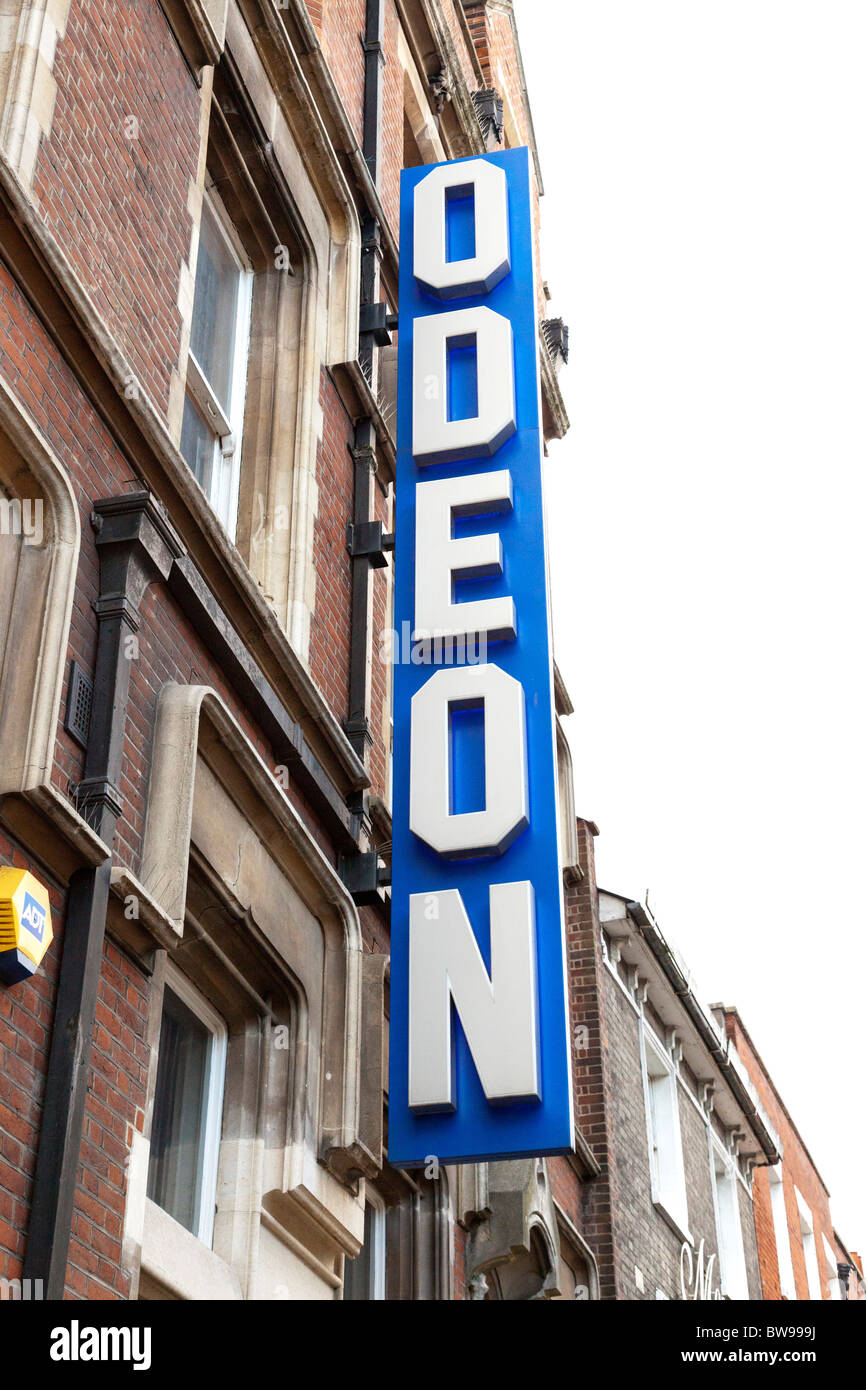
<point>26,1011</point>
<point>114,1110</point>
<point>476,17</point>
<point>169,650</point>
<point>330,629</point>
<point>343,27</point>
<point>452,19</point>
<point>797,1170</point>
<point>768,1259</point>
<point>494,44</point>
<point>380,674</point>
<point>392,122</point>
<point>118,206</point>
<point>593,1213</point>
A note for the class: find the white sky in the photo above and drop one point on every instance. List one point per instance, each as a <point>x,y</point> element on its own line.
<point>705,240</point>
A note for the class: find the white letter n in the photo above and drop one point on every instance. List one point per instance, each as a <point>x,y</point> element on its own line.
<point>498,1011</point>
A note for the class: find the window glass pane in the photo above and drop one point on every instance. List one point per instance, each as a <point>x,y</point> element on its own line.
<point>178,1133</point>
<point>215,308</point>
<point>360,1273</point>
<point>197,444</point>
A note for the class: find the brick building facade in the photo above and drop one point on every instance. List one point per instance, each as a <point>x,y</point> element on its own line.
<point>801,1255</point>
<point>198,273</point>
<point>198,259</point>
<point>655,1203</point>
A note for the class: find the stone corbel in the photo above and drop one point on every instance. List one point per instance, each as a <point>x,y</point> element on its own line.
<point>199,27</point>
<point>442,88</point>
<point>470,1184</point>
<point>706,1096</point>
<point>733,1138</point>
<point>521,1225</point>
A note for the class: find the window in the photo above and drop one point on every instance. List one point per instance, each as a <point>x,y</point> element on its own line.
<point>576,1279</point>
<point>216,374</point>
<point>365,1275</point>
<point>187,1109</point>
<point>407,1247</point>
<point>831,1270</point>
<point>663,1134</point>
<point>787,1287</point>
<point>810,1252</point>
<point>729,1232</point>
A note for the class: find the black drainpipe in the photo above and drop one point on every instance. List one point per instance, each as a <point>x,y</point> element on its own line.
<point>374,62</point>
<point>359,539</point>
<point>366,542</point>
<point>135,546</point>
<point>364,538</point>
<point>372,314</point>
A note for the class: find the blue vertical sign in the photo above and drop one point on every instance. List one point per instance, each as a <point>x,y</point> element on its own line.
<point>479,1043</point>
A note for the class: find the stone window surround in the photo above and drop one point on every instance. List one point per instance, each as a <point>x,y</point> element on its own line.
<point>318,1185</point>
<point>302,319</point>
<point>418,1246</point>
<point>569,1235</point>
<point>43,580</point>
<point>675,1214</point>
<point>327,223</point>
<point>260,1094</point>
<point>194,721</point>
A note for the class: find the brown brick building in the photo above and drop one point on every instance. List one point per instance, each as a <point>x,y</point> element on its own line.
<point>198,260</point>
<point>801,1255</point>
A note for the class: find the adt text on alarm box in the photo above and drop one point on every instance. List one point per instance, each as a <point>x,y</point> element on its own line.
<point>479,1042</point>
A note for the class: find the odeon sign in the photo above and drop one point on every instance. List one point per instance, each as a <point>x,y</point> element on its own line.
<point>479,1049</point>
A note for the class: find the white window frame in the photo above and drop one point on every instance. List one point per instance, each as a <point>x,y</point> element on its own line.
<point>664,1136</point>
<point>834,1283</point>
<point>228,428</point>
<point>810,1248</point>
<point>213,1099</point>
<point>733,1274</point>
<point>378,1246</point>
<point>787,1283</point>
<point>378,1254</point>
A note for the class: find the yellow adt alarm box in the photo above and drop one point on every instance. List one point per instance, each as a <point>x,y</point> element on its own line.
<point>25,925</point>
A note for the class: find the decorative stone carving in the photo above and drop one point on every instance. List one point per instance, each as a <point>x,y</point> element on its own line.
<point>442,87</point>
<point>555,333</point>
<point>488,109</point>
<point>516,1249</point>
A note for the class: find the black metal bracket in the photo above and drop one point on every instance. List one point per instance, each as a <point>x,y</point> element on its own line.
<point>370,539</point>
<point>363,876</point>
<point>374,319</point>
